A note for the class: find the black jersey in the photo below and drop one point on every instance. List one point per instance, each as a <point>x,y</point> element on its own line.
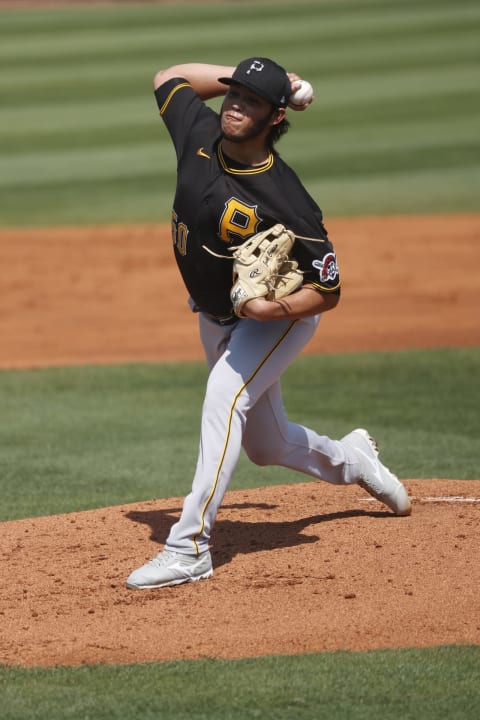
<point>219,202</point>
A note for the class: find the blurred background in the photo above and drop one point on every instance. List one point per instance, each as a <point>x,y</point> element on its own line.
<point>394,127</point>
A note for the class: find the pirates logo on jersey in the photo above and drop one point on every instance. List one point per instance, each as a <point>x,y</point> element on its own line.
<point>238,219</point>
<point>327,267</point>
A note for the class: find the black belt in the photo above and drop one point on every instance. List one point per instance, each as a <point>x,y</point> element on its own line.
<point>225,320</point>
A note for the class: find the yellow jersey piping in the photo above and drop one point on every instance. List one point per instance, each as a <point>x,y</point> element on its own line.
<point>317,286</point>
<point>229,428</point>
<point>250,171</point>
<point>171,94</point>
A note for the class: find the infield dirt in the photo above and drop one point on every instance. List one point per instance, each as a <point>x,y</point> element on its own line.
<point>298,568</point>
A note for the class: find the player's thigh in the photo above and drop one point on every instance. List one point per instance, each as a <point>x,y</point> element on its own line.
<point>256,356</point>
<point>266,427</point>
<point>214,338</point>
<point>260,352</point>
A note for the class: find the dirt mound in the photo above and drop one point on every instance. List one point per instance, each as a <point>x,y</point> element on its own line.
<point>298,568</point>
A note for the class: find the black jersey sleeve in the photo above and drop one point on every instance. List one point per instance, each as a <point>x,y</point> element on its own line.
<point>318,262</point>
<point>181,109</point>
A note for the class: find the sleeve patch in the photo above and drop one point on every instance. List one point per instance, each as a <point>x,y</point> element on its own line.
<point>327,268</point>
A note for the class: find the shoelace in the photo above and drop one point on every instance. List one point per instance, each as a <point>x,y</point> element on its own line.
<point>374,443</point>
<point>162,558</point>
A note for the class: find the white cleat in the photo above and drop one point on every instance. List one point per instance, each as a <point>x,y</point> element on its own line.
<point>375,478</point>
<point>171,568</point>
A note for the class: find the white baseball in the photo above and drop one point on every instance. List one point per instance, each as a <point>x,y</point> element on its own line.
<point>303,95</point>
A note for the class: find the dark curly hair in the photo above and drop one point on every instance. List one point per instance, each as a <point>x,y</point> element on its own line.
<point>277,131</point>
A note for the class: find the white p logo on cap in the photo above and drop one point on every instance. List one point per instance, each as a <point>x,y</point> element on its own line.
<point>256,65</point>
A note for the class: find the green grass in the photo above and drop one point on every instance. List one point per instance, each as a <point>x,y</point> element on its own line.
<point>399,685</point>
<point>79,438</point>
<point>394,128</point>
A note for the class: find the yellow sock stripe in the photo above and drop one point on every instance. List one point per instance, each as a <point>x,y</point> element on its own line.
<point>229,428</point>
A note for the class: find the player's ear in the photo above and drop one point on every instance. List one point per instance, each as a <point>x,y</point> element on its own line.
<point>278,116</point>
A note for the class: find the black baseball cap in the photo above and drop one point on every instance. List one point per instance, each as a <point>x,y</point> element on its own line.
<point>264,77</point>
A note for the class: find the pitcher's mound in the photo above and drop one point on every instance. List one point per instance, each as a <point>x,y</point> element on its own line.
<point>298,568</point>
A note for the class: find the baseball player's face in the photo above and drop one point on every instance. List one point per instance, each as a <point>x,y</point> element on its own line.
<point>245,115</point>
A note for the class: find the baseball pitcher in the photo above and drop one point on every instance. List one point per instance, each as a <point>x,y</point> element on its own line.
<point>259,270</point>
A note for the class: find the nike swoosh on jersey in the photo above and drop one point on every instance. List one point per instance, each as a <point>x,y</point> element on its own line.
<point>201,153</point>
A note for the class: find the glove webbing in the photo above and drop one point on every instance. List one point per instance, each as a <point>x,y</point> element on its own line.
<point>232,249</point>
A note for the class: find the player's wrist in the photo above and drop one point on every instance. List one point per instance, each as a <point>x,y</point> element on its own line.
<point>255,309</point>
<point>264,310</point>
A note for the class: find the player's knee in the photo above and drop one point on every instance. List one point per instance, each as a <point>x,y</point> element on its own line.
<point>260,455</point>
